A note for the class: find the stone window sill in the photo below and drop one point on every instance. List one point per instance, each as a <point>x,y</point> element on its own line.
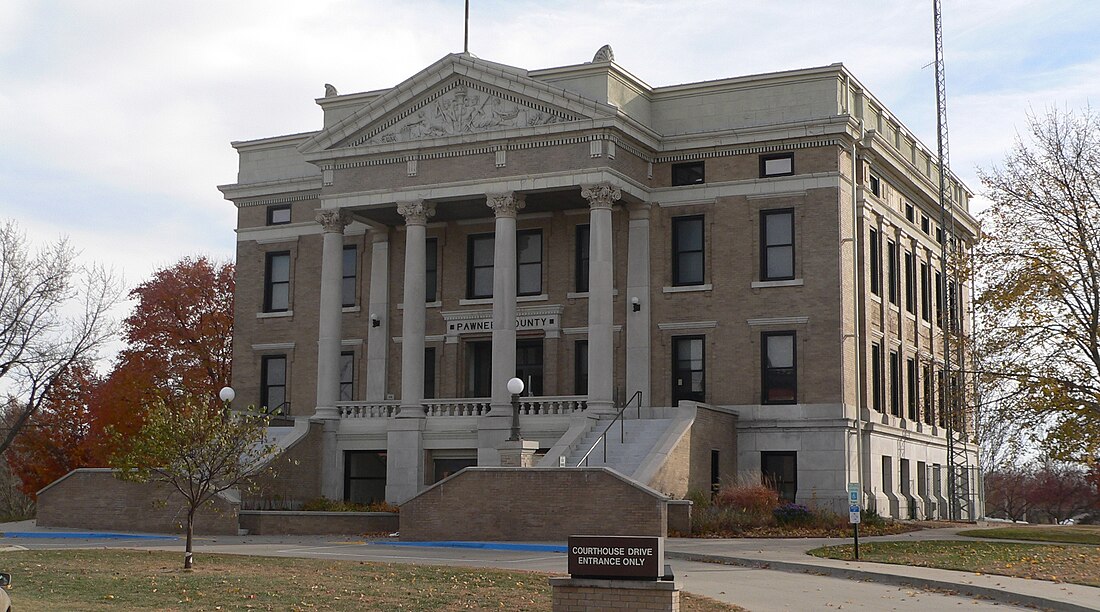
<point>688,288</point>
<point>274,315</point>
<point>794,282</point>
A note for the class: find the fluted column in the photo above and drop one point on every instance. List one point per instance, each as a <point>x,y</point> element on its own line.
<point>416,215</point>
<point>330,309</point>
<point>504,206</point>
<point>601,270</point>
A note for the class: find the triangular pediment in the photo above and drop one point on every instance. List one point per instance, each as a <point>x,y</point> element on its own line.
<point>459,96</point>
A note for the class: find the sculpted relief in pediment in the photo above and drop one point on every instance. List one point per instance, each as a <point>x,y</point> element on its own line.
<point>464,108</point>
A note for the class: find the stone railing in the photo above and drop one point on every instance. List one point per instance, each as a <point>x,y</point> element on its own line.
<point>465,407</point>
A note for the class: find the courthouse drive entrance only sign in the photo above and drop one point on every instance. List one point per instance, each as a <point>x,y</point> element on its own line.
<point>621,557</point>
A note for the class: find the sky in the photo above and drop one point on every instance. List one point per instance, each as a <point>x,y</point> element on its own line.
<point>116,116</point>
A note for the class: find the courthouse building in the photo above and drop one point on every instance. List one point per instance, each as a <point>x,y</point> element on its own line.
<point>711,253</point>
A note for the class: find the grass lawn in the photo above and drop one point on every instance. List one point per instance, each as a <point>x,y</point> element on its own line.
<point>113,579</point>
<point>1071,534</point>
<point>1076,564</point>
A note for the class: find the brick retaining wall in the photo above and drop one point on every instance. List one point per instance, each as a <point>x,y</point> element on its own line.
<point>318,523</point>
<point>532,505</point>
<point>93,499</point>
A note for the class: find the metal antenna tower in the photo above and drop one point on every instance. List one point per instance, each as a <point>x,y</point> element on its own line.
<point>952,384</point>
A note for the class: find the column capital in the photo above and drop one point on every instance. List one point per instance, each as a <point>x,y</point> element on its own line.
<point>639,210</point>
<point>333,220</point>
<point>601,195</point>
<point>416,212</point>
<point>505,204</point>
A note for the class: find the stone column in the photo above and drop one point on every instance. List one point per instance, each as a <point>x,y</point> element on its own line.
<point>328,347</point>
<point>638,323</point>
<point>330,311</point>
<point>504,297</point>
<point>379,306</point>
<point>405,463</point>
<point>601,269</point>
<point>416,215</point>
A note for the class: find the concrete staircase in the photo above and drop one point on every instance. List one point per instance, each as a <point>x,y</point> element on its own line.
<point>625,452</point>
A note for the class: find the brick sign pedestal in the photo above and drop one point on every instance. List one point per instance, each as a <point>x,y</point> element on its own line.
<point>595,595</point>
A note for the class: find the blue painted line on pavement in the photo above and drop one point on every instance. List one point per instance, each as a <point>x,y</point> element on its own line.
<point>73,535</point>
<point>558,548</point>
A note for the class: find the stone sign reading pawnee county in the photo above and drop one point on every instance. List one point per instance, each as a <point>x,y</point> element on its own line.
<point>618,557</point>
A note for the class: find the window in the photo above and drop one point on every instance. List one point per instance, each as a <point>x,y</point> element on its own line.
<point>910,214</point>
<point>876,185</point>
<point>688,369</point>
<point>529,262</point>
<point>529,365</point>
<point>780,472</point>
<point>887,473</point>
<point>431,270</point>
<point>278,215</point>
<point>939,299</point>
<point>273,383</point>
<point>925,293</point>
<point>479,266</point>
<point>875,255</point>
<point>876,377</point>
<point>350,265</point>
<point>941,398</point>
<point>583,237</point>
<point>939,235</point>
<point>689,173</point>
<point>580,367</point>
<point>895,384</point>
<point>715,471</point>
<point>777,244</point>
<point>892,270</point>
<point>779,377</point>
<point>924,224</point>
<point>479,368</point>
<point>687,250</point>
<point>911,388</point>
<point>277,282</point>
<point>364,476</point>
<point>929,412</point>
<point>910,284</point>
<point>780,164</point>
<point>429,372</point>
<point>347,376</point>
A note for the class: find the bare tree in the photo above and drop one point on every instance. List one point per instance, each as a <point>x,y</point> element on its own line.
<point>53,313</point>
<point>1039,266</point>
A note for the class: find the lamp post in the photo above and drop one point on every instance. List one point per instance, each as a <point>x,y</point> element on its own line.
<point>226,395</point>
<point>515,387</point>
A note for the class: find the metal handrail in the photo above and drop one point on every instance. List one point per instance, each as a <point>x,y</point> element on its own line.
<point>622,428</point>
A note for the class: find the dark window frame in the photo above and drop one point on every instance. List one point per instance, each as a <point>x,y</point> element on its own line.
<point>533,382</point>
<point>429,372</point>
<point>875,255</point>
<point>270,284</point>
<point>522,266</point>
<point>910,283</point>
<point>768,373</point>
<point>431,270</point>
<point>892,271</point>
<point>764,159</point>
<point>265,385</point>
<point>678,252</point>
<point>677,395</point>
<point>910,213</point>
<point>765,463</point>
<point>271,210</point>
<point>911,388</point>
<point>472,241</point>
<point>580,367</point>
<point>582,236</point>
<point>765,215</point>
<point>895,383</point>
<point>349,478</point>
<point>688,173</point>
<point>347,301</point>
<point>347,387</point>
<point>925,292</point>
<point>875,185</point>
<point>877,377</point>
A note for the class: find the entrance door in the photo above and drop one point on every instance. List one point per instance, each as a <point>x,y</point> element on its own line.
<point>529,365</point>
<point>479,368</point>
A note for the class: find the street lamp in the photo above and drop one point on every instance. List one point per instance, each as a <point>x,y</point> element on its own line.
<point>515,387</point>
<point>226,395</point>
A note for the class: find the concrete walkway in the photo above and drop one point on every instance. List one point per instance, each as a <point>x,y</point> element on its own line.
<point>759,574</point>
<point>789,555</point>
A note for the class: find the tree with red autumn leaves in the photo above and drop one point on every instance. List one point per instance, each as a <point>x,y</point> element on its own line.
<point>178,345</point>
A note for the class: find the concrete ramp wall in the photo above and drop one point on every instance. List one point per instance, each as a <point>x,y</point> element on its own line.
<point>533,505</point>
